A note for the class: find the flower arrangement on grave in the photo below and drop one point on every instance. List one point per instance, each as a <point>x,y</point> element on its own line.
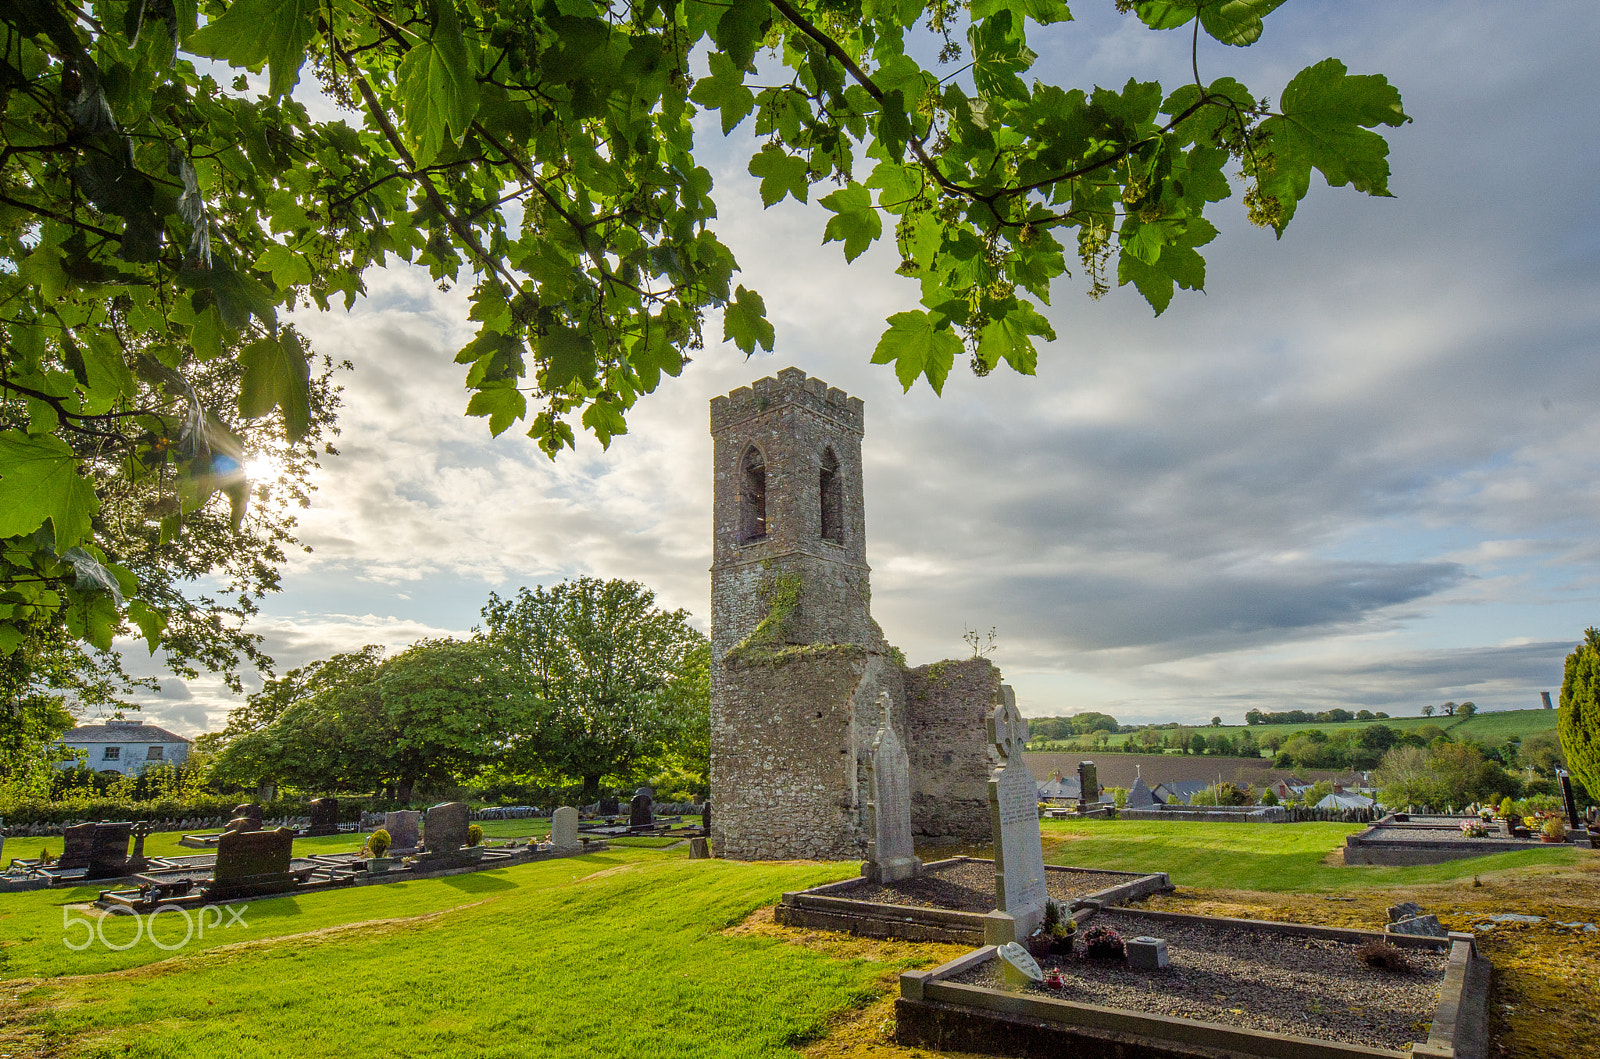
<point>1104,943</point>
<point>1508,808</point>
<point>1474,828</point>
<point>474,835</point>
<point>1059,927</point>
<point>1554,829</point>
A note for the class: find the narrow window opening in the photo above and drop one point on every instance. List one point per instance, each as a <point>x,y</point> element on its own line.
<point>753,493</point>
<point>830,490</point>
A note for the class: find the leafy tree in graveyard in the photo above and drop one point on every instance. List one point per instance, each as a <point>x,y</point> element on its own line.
<point>430,716</point>
<point>1542,752</point>
<point>622,680</point>
<point>155,219</point>
<point>1578,716</point>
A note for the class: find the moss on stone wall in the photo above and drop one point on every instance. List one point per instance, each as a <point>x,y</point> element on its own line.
<point>782,595</point>
<point>743,656</point>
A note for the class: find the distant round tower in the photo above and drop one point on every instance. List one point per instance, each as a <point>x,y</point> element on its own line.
<point>797,661</point>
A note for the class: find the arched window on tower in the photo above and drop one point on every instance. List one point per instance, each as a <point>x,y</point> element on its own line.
<point>830,492</point>
<point>753,494</point>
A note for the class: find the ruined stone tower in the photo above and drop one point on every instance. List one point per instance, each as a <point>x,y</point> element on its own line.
<point>798,664</point>
<point>797,661</point>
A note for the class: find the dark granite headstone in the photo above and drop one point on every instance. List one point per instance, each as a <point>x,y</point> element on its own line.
<point>705,816</point>
<point>79,840</point>
<point>324,817</point>
<point>253,862</point>
<point>1088,783</point>
<point>609,806</point>
<point>444,828</point>
<point>108,852</point>
<point>250,812</point>
<point>1572,806</point>
<point>137,861</point>
<point>404,829</point>
<point>639,814</point>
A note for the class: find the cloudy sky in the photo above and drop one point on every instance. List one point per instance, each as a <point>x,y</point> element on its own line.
<point>1359,470</point>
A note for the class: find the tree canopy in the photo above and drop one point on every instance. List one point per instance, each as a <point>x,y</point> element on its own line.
<point>621,680</point>
<point>158,215</point>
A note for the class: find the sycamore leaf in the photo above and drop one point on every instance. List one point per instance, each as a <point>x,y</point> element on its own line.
<point>287,267</point>
<point>1006,338</point>
<point>724,91</point>
<point>39,480</point>
<point>276,375</point>
<point>252,32</point>
<point>1237,22</point>
<point>918,346</point>
<point>438,86</point>
<point>744,320</point>
<point>781,174</point>
<point>855,223</point>
<point>1324,126</point>
<point>152,622</point>
<point>503,403</point>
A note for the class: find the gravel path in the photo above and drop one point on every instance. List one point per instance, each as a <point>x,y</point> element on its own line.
<point>1309,987</point>
<point>968,886</point>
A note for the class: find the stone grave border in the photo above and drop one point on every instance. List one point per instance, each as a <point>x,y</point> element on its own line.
<point>828,907</point>
<point>935,1013</point>
<point>1392,842</point>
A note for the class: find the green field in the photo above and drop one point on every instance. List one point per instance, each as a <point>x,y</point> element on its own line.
<point>625,952</point>
<point>1491,728</point>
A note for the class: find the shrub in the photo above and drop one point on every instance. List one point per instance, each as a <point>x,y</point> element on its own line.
<point>474,835</point>
<point>1104,943</point>
<point>1383,956</point>
<point>1269,797</point>
<point>1555,827</point>
<point>1057,922</point>
<point>1578,722</point>
<point>377,844</point>
<point>1508,808</point>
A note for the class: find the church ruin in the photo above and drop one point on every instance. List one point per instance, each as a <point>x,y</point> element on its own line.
<point>798,664</point>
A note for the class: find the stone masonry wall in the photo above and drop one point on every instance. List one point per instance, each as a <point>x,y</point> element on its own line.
<point>946,706</point>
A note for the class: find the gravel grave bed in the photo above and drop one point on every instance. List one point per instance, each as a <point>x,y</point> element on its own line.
<point>1279,983</point>
<point>1441,834</point>
<point>968,886</point>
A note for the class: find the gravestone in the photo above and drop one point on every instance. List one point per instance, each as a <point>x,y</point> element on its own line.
<point>639,814</point>
<point>137,861</point>
<point>404,827</point>
<point>564,828</point>
<point>1147,954</point>
<point>1404,910</point>
<point>444,828</point>
<point>108,850</point>
<point>890,856</point>
<point>1139,796</point>
<point>253,862</point>
<point>79,840</point>
<point>705,816</point>
<point>1088,785</point>
<point>251,814</point>
<point>699,849</point>
<point>1019,880</point>
<point>609,806</point>
<point>1572,806</point>
<point>1420,926</point>
<point>325,817</point>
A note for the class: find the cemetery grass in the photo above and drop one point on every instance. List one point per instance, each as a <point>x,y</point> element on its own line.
<point>617,953</point>
<point>1271,857</point>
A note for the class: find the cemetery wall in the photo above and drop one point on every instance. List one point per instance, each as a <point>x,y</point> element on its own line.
<point>947,704</point>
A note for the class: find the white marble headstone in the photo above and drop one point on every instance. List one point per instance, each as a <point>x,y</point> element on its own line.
<point>890,854</point>
<point>564,828</point>
<point>1019,879</point>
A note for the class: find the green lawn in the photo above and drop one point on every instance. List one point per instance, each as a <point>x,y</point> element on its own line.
<point>1491,728</point>
<point>1277,857</point>
<point>602,955</point>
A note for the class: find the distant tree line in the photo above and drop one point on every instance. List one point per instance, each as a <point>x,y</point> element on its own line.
<point>1334,716</point>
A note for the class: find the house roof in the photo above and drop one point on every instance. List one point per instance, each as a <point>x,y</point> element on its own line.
<point>1060,787</point>
<point>1345,800</point>
<point>123,732</point>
